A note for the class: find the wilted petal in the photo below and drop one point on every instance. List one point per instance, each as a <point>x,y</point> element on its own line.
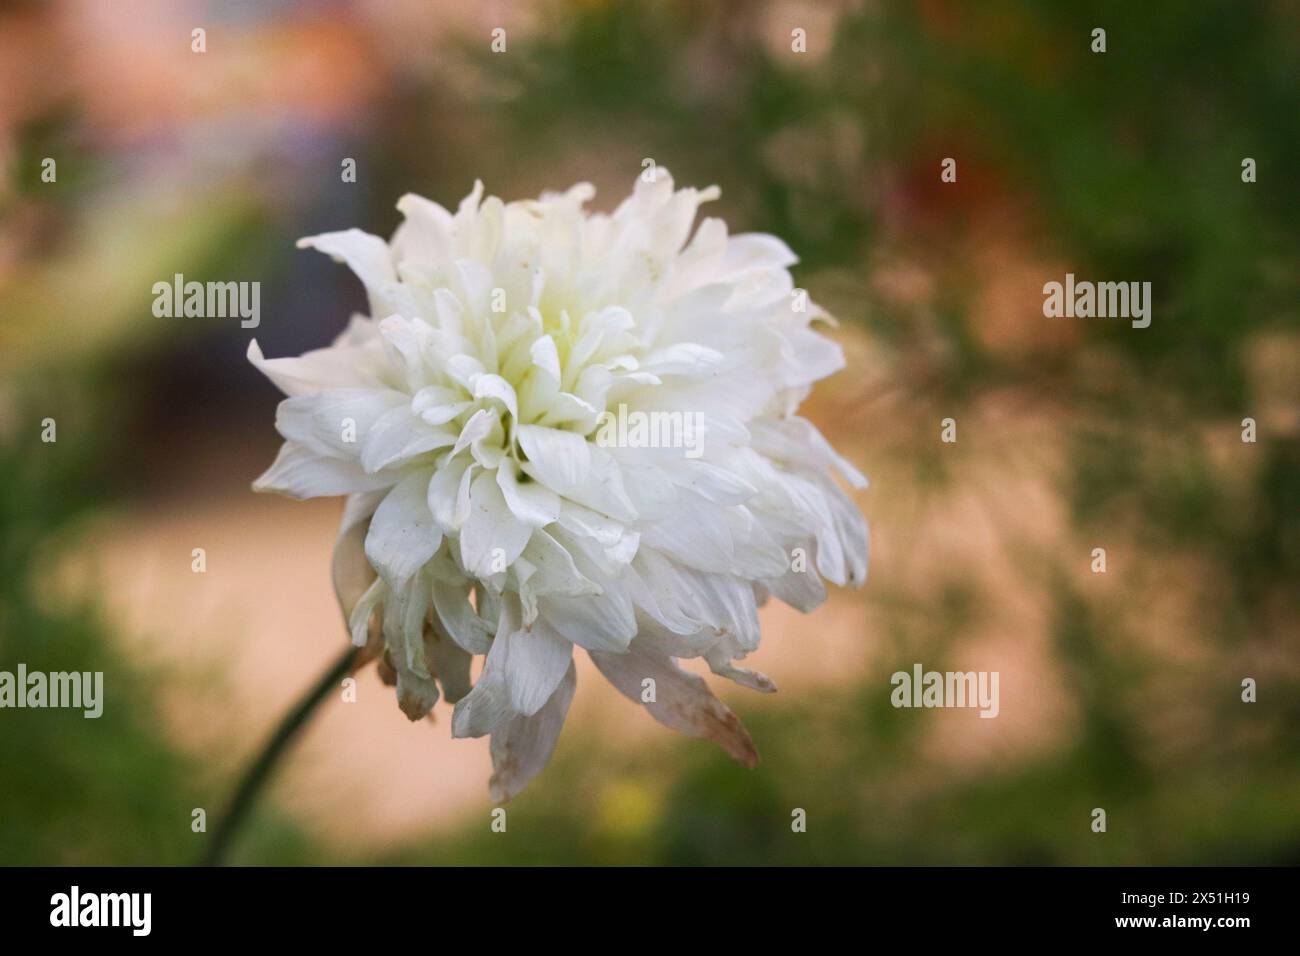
<point>534,660</point>
<point>523,746</point>
<point>351,572</point>
<point>456,614</point>
<point>681,700</point>
<point>450,664</point>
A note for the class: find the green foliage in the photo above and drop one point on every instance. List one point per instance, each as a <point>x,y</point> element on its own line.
<point>77,790</point>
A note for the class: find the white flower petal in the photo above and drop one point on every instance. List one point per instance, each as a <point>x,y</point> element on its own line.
<point>456,614</point>
<point>721,665</point>
<point>683,358</point>
<point>426,236</point>
<point>603,621</point>
<point>697,534</point>
<point>530,502</point>
<point>478,427</point>
<point>575,469</point>
<point>350,571</point>
<point>560,460</point>
<point>336,421</point>
<point>523,746</point>
<point>337,367</point>
<point>361,612</point>
<point>397,437</point>
<point>748,252</point>
<point>487,706</point>
<point>494,386</point>
<point>713,483</point>
<point>448,497</point>
<point>369,258</point>
<point>533,660</point>
<point>492,537</point>
<point>403,535</point>
<point>301,473</point>
<point>438,404</point>
<point>545,357</point>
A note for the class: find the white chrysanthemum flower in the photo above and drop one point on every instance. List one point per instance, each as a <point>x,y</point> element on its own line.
<point>492,507</point>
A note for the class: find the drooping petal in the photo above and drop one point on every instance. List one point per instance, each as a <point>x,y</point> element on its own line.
<point>534,660</point>
<point>351,573</point>
<point>604,621</point>
<point>450,664</point>
<point>523,746</point>
<point>487,706</point>
<point>456,614</point>
<point>719,662</point>
<point>677,699</point>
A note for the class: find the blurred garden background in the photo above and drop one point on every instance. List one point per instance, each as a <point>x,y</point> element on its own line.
<point>1119,690</point>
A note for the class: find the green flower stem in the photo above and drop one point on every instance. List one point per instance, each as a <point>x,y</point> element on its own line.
<point>259,772</point>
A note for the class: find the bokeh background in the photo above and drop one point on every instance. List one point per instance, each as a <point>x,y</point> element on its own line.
<point>1119,690</point>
